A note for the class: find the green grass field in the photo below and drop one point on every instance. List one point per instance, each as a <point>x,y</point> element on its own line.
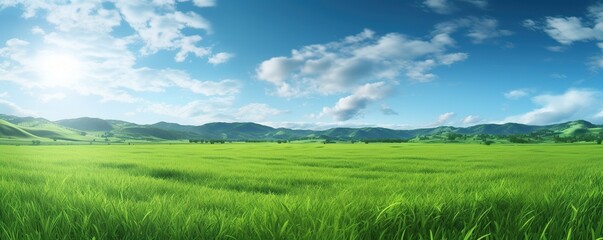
<point>302,191</point>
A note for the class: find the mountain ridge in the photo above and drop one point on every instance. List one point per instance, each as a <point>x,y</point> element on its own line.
<point>88,129</point>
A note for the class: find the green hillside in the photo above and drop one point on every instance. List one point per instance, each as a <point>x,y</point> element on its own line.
<point>87,124</point>
<point>150,133</point>
<point>91,129</point>
<point>9,130</point>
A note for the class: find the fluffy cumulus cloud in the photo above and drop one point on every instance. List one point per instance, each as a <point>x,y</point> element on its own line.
<point>450,6</point>
<point>479,30</point>
<point>345,65</point>
<point>516,94</point>
<point>94,61</point>
<point>570,29</point>
<point>349,107</point>
<point>160,26</point>
<point>365,66</point>
<point>573,104</point>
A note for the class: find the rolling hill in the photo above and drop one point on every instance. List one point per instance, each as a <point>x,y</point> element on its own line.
<point>91,129</point>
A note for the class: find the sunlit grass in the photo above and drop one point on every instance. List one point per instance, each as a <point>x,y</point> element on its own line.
<point>302,191</point>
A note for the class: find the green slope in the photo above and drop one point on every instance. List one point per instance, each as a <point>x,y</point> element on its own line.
<point>9,130</point>
<point>87,124</point>
<point>87,129</point>
<point>150,133</point>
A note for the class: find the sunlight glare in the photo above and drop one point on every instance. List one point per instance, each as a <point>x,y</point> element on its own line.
<point>59,69</point>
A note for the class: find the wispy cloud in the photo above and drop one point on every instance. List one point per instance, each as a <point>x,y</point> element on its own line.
<point>450,6</point>
<point>479,30</point>
<point>558,76</point>
<point>8,107</point>
<point>220,58</point>
<point>517,94</point>
<point>443,119</point>
<point>214,109</point>
<point>256,112</point>
<point>574,103</point>
<point>386,110</point>
<point>52,96</point>
<point>471,119</point>
<point>530,24</point>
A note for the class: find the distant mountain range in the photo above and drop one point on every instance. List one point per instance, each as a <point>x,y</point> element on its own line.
<point>94,129</point>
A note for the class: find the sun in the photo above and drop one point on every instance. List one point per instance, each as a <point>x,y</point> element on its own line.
<point>58,69</point>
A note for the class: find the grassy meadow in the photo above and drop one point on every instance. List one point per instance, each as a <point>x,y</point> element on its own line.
<point>302,191</point>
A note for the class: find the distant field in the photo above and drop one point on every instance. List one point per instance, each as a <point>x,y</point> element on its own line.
<point>302,191</point>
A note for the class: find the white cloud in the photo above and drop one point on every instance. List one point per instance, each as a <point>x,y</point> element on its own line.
<point>38,30</point>
<point>478,29</point>
<point>200,110</point>
<point>477,3</point>
<point>52,96</point>
<point>4,95</point>
<point>452,58</point>
<point>599,115</point>
<point>204,3</point>
<point>15,49</point>
<point>188,45</point>
<point>516,94</point>
<point>163,30</point>
<point>530,24</point>
<point>471,119</point>
<point>329,125</point>
<point>357,61</point>
<point>555,48</point>
<point>386,110</point>
<point>10,108</point>
<point>85,16</point>
<point>345,65</point>
<point>256,112</point>
<point>106,65</point>
<point>440,6</point>
<point>214,109</point>
<point>444,118</point>
<point>573,104</point>
<point>449,6</point>
<point>567,30</point>
<point>157,25</point>
<point>349,107</point>
<point>208,88</point>
<point>220,58</point>
<point>558,76</point>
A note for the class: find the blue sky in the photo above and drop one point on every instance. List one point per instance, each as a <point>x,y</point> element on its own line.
<point>304,64</point>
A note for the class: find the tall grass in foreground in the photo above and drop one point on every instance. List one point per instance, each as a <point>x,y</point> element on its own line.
<point>302,191</point>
